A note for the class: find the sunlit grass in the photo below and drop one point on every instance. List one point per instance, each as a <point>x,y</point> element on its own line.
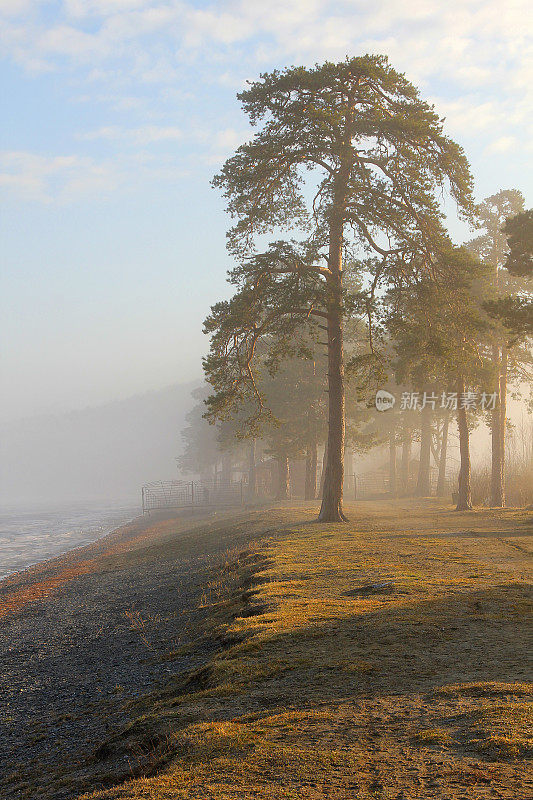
<point>335,689</point>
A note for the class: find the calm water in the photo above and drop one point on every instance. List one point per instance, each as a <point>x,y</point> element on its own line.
<point>27,537</point>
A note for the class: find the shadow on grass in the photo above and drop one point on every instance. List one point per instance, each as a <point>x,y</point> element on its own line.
<point>455,652</point>
<point>468,636</point>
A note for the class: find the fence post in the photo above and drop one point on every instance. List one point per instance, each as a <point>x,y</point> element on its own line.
<point>142,495</point>
<point>192,494</point>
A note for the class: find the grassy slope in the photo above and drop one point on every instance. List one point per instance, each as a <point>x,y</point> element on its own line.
<point>327,689</point>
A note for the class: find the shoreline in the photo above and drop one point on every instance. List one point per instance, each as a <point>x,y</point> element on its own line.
<point>39,580</point>
<point>30,574</point>
<point>64,552</point>
<point>85,635</point>
<point>71,531</point>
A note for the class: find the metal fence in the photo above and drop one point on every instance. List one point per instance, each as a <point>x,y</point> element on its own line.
<point>375,484</point>
<point>369,485</point>
<point>180,494</point>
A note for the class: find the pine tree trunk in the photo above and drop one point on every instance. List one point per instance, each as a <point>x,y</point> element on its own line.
<point>464,500</point>
<point>252,475</point>
<point>392,464</point>
<point>311,462</point>
<point>441,481</point>
<point>348,469</point>
<point>283,478</point>
<point>406,459</point>
<point>323,469</point>
<point>496,485</point>
<point>423,486</point>
<point>331,508</point>
<point>503,419</point>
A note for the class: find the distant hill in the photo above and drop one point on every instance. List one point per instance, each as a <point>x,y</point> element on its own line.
<point>103,453</point>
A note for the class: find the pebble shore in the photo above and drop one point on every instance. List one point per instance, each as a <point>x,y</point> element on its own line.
<point>83,635</point>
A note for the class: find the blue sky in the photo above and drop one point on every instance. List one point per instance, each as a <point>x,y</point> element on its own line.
<point>116,115</point>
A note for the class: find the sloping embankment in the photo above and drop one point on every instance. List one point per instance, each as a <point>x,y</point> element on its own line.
<point>385,658</point>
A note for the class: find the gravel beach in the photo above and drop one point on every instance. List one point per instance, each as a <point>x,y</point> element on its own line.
<point>83,635</point>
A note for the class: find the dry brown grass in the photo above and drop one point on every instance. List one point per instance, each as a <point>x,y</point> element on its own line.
<point>332,686</point>
<point>503,731</point>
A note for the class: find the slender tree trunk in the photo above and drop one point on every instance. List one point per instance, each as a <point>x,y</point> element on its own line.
<point>464,500</point>
<point>423,486</point>
<point>392,464</point>
<point>311,462</point>
<point>331,508</point>
<point>348,468</point>
<point>252,475</point>
<point>323,469</point>
<point>441,482</point>
<point>283,478</point>
<point>496,485</point>
<point>503,418</point>
<point>406,459</point>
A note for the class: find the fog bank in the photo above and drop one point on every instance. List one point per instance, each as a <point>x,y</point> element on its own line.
<point>100,454</point>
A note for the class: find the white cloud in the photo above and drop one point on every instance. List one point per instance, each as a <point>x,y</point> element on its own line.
<point>14,8</point>
<point>36,177</point>
<point>473,56</point>
<point>310,25</point>
<point>222,144</point>
<point>147,134</point>
<point>102,8</point>
<point>65,179</point>
<point>229,139</point>
<point>502,145</point>
<point>470,41</point>
<point>467,115</point>
<point>66,40</point>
